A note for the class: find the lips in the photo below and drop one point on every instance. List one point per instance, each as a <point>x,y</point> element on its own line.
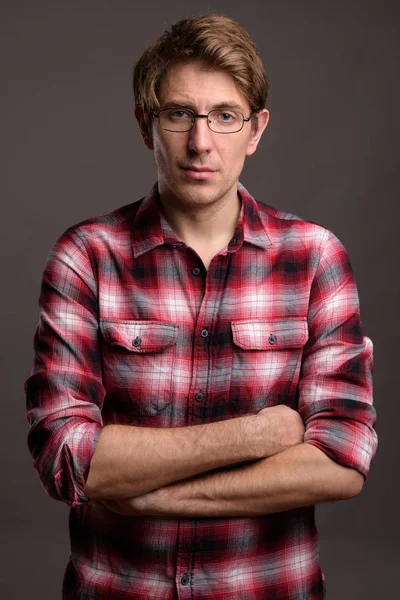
<point>198,169</point>
<point>199,173</point>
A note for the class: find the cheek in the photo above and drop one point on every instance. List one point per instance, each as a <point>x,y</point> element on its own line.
<point>160,156</point>
<point>233,150</point>
<point>165,154</point>
<point>235,157</point>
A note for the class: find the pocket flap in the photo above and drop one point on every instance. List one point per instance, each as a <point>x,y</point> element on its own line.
<point>140,336</point>
<point>270,335</point>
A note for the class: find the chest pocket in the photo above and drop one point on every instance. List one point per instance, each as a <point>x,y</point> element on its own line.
<point>265,361</point>
<point>138,359</point>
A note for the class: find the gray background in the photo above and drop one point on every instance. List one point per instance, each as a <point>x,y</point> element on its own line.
<point>71,149</point>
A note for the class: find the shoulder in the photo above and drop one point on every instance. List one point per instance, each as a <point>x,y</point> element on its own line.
<point>286,226</point>
<point>108,227</point>
<point>313,245</point>
<point>115,221</point>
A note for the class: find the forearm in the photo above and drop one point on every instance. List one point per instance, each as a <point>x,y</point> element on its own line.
<point>299,476</point>
<point>130,461</point>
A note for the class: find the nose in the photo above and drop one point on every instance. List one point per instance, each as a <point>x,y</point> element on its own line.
<point>200,137</point>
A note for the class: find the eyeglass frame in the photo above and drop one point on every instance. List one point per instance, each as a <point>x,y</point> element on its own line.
<point>195,116</point>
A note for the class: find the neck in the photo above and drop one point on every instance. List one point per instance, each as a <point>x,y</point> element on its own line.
<point>213,224</point>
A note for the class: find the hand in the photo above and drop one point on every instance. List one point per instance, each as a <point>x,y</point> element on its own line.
<point>281,428</point>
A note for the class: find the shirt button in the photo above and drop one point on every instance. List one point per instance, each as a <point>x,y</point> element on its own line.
<point>199,397</point>
<point>196,271</point>
<point>137,341</point>
<point>272,339</point>
<point>204,333</point>
<point>185,579</point>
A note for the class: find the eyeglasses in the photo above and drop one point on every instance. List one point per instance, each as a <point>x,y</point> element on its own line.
<point>183,119</point>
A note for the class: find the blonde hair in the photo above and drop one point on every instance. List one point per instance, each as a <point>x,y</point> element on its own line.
<point>214,39</point>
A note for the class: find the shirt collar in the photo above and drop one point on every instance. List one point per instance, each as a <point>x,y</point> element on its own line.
<point>250,227</point>
<point>151,228</point>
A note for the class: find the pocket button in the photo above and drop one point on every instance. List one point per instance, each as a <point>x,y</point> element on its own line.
<point>137,341</point>
<point>272,339</point>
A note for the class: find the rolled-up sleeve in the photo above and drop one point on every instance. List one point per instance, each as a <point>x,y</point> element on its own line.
<point>335,387</point>
<point>64,392</point>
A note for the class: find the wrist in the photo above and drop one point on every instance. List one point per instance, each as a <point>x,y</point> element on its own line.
<point>254,437</point>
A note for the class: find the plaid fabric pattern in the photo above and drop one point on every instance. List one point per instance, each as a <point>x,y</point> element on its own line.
<point>133,330</point>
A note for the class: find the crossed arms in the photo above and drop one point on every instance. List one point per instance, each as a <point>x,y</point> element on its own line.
<point>139,471</point>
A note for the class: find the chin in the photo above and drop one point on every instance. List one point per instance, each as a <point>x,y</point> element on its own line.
<point>198,194</point>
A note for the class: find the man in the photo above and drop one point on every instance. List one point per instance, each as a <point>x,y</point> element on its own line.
<point>201,378</point>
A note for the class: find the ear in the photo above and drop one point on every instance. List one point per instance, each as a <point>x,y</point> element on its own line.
<point>263,118</point>
<point>146,134</point>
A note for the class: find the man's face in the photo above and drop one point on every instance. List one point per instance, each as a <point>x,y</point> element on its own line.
<point>198,87</point>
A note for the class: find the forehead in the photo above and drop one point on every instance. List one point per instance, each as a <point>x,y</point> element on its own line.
<point>196,84</point>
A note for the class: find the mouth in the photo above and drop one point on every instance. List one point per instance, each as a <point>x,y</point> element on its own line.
<point>194,172</point>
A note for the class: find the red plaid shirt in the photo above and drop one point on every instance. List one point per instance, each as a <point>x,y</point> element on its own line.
<point>133,330</point>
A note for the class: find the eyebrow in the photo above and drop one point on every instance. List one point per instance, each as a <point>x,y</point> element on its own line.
<point>183,104</point>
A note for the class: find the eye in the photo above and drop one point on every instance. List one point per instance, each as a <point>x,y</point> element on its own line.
<point>225,116</point>
<point>179,114</point>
